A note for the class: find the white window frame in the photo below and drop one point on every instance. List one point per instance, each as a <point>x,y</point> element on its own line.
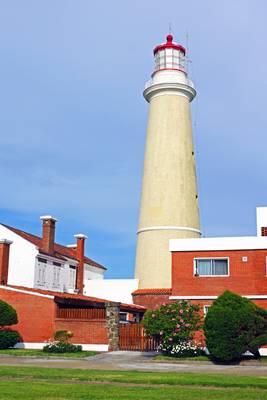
<point>212,258</point>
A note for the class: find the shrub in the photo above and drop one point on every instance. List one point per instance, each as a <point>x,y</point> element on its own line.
<point>63,336</point>
<point>173,324</point>
<point>8,339</point>
<point>62,347</point>
<point>183,349</point>
<point>233,326</point>
<point>8,315</point>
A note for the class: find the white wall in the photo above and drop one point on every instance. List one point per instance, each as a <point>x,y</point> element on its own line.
<point>112,289</point>
<point>261,213</point>
<point>219,243</point>
<point>21,259</point>
<point>91,272</point>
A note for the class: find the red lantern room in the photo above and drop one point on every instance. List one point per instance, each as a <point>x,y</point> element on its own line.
<point>170,56</point>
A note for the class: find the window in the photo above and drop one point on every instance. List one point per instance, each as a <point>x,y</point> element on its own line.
<point>42,260</point>
<point>72,277</point>
<point>57,264</point>
<point>123,317</point>
<point>41,273</point>
<point>212,267</point>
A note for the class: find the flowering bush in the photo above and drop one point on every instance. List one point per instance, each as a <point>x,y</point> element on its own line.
<point>61,347</point>
<point>60,343</point>
<point>182,349</point>
<point>174,326</point>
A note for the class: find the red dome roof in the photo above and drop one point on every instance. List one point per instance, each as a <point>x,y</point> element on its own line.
<point>169,45</point>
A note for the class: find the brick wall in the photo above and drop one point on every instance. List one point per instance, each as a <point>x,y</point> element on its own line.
<point>246,278</point>
<point>35,315</point>
<point>151,301</point>
<point>84,331</point>
<point>37,322</point>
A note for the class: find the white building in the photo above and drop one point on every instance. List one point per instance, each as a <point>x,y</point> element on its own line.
<point>39,262</point>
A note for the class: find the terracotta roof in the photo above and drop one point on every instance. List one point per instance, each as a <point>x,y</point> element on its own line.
<point>60,251</point>
<point>73,296</point>
<point>156,291</point>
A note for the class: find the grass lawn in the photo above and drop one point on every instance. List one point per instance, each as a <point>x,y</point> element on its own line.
<point>60,384</point>
<point>162,358</point>
<point>40,353</point>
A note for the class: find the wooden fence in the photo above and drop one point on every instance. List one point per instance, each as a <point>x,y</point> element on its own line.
<point>133,337</point>
<point>81,313</point>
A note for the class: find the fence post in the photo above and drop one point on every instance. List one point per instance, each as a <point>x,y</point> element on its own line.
<point>113,322</point>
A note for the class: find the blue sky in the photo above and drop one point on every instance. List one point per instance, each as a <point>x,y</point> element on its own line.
<point>73,120</point>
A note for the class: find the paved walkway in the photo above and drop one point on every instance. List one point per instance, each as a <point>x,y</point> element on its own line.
<point>133,360</point>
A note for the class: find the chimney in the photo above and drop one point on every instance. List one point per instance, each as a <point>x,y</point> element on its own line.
<point>261,221</point>
<point>4,260</point>
<point>80,256</point>
<point>48,238</point>
<point>264,231</point>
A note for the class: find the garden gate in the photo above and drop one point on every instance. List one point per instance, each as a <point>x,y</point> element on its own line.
<point>133,338</point>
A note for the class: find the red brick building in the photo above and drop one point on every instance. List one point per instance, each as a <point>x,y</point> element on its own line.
<point>44,282</point>
<point>203,268</point>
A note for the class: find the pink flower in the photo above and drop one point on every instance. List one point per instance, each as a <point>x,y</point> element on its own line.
<point>178,326</point>
<point>181,311</point>
<point>161,333</point>
<point>187,325</point>
<point>182,321</point>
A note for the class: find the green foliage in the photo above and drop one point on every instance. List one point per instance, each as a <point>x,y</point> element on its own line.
<point>8,315</point>
<point>8,339</point>
<point>63,336</point>
<point>62,347</point>
<point>173,325</point>
<point>233,326</point>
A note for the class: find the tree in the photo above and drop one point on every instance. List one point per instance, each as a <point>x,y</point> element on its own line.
<point>233,326</point>
<point>173,326</point>
<point>8,317</point>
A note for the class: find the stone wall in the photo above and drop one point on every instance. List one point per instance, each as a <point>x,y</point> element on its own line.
<point>113,321</point>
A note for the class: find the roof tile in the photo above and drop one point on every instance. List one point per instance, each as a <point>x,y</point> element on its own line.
<point>60,250</point>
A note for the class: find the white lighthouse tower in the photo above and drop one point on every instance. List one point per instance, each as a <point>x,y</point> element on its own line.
<point>169,201</point>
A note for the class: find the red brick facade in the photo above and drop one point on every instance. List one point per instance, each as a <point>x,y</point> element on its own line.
<point>85,331</point>
<point>38,322</point>
<point>36,315</point>
<point>151,301</point>
<point>245,277</point>
<point>151,298</point>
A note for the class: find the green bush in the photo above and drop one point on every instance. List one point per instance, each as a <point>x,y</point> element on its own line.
<point>62,347</point>
<point>174,326</point>
<point>8,315</point>
<point>8,339</point>
<point>233,326</point>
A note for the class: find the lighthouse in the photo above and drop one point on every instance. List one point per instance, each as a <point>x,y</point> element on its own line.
<point>169,199</point>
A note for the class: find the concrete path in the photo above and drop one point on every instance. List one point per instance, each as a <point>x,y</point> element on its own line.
<point>132,360</point>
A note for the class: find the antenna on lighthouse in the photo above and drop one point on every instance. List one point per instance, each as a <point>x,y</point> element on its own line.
<point>187,52</point>
<point>170,28</point>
